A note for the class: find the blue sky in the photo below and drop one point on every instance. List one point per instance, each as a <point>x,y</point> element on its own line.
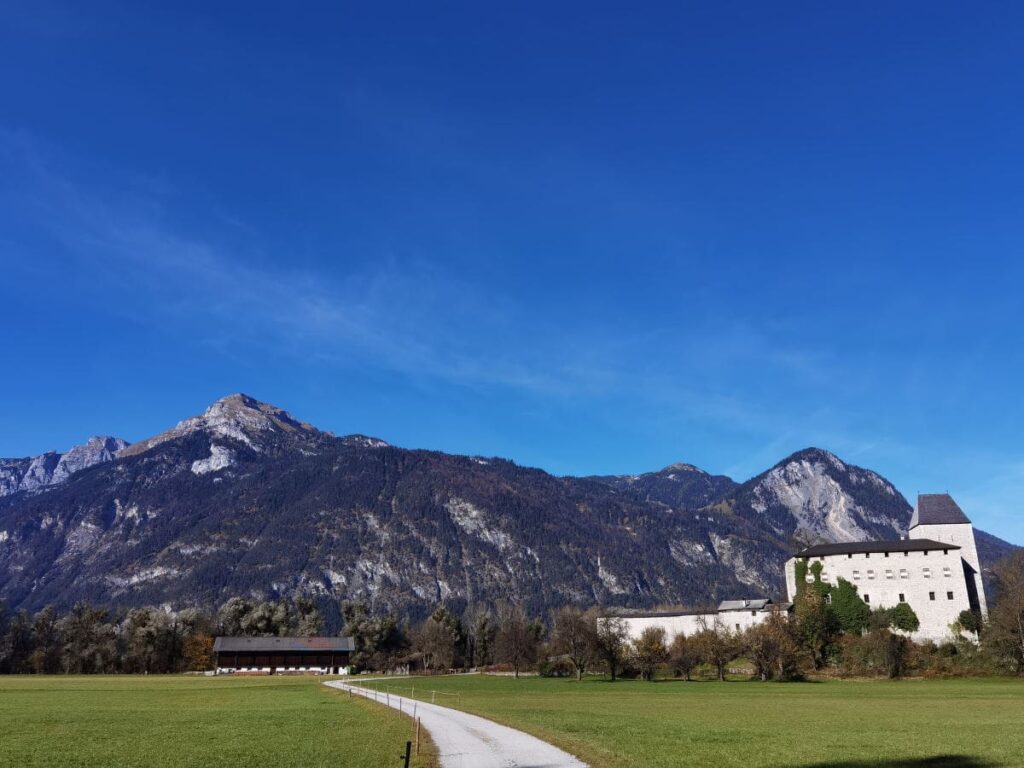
<point>589,238</point>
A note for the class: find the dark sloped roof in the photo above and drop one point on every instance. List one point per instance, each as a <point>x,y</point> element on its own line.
<point>744,605</point>
<point>937,509</point>
<point>858,547</point>
<point>282,644</point>
<point>660,614</point>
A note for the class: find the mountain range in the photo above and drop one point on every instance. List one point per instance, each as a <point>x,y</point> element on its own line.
<point>246,500</point>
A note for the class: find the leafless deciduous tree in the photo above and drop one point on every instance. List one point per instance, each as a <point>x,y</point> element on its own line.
<point>575,635</point>
<point>613,643</point>
<point>649,651</point>
<point>1003,635</point>
<point>683,655</point>
<point>435,641</point>
<point>773,647</point>
<point>517,639</point>
<point>718,646</point>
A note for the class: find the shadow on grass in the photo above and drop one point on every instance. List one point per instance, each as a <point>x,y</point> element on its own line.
<point>938,761</point>
<point>703,680</point>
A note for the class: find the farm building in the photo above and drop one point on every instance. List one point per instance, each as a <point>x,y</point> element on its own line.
<point>270,655</point>
<point>935,570</point>
<point>731,615</point>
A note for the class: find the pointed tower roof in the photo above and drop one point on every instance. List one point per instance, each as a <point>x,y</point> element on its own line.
<point>937,509</point>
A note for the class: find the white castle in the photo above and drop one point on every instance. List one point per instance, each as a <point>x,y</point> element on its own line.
<point>935,570</point>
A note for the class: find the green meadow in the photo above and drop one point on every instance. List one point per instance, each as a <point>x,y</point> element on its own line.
<point>288,721</point>
<point>966,723</point>
<point>157,721</point>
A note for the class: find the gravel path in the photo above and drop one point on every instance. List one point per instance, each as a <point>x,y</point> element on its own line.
<point>468,741</point>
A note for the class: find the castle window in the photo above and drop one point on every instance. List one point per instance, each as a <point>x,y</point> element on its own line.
<point>888,573</point>
<point>926,553</point>
<point>886,554</point>
<point>903,598</point>
<point>949,595</point>
<point>871,574</point>
<point>753,613</point>
<point>907,553</point>
<point>927,573</point>
<point>828,598</point>
<point>867,555</point>
<point>947,572</point>
<point>945,551</point>
<point>904,574</point>
<point>856,574</point>
<point>867,599</point>
<point>931,595</point>
<point>737,627</point>
<point>849,556</point>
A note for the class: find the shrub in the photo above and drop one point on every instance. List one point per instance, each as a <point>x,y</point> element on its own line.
<point>902,617</point>
<point>559,666</point>
<point>850,611</point>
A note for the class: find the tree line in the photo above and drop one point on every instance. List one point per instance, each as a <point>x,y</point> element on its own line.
<point>830,630</point>
<point>91,640</point>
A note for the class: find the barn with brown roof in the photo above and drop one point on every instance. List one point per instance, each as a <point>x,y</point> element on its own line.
<point>278,655</point>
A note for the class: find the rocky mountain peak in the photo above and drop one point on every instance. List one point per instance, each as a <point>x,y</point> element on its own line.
<point>37,473</point>
<point>815,455</point>
<point>237,417</point>
<point>814,496</point>
<point>681,467</point>
<point>96,450</point>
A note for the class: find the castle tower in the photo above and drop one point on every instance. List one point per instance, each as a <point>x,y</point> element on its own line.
<point>940,518</point>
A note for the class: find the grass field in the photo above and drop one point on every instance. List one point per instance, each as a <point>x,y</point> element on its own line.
<point>159,721</point>
<point>926,723</point>
<point>185,721</point>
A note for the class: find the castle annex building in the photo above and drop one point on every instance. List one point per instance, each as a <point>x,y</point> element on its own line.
<point>730,616</point>
<point>935,569</point>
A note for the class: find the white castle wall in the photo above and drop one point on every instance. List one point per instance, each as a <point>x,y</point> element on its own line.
<point>926,580</point>
<point>962,535</point>
<point>691,624</point>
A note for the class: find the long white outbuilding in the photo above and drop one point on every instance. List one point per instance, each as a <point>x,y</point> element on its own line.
<point>731,615</point>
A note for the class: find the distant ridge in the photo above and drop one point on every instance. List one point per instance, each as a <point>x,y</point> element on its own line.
<point>244,499</point>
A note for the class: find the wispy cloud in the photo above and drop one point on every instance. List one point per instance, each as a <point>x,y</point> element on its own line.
<point>411,316</point>
<point>401,314</point>
<point>404,315</point>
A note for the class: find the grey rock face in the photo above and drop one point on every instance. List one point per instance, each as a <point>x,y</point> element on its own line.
<point>814,497</point>
<point>94,451</point>
<point>238,418</point>
<point>52,468</point>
